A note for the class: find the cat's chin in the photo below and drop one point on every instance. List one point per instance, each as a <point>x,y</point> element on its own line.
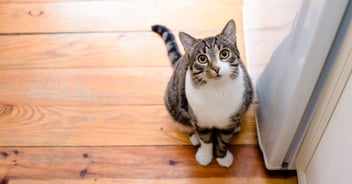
<point>216,77</point>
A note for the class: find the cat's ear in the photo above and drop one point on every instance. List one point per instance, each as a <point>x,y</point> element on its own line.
<point>230,31</point>
<point>187,40</point>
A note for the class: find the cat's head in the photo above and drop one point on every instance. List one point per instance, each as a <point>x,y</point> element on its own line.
<point>214,58</point>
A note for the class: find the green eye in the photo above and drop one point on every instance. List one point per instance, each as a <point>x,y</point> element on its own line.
<point>224,54</point>
<point>202,59</point>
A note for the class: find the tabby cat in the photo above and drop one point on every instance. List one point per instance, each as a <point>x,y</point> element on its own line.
<point>209,91</point>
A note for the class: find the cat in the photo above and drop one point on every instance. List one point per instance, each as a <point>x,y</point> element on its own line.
<point>209,90</point>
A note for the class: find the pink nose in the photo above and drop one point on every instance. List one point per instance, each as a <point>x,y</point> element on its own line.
<point>216,69</point>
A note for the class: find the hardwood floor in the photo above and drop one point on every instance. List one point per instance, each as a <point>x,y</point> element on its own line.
<point>82,86</point>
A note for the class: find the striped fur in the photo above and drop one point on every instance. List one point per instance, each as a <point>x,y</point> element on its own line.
<point>170,42</point>
<point>209,90</point>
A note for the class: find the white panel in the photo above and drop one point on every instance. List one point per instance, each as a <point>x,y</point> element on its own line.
<point>332,161</point>
<point>286,84</point>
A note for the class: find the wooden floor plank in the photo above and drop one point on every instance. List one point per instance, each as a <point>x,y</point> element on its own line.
<point>124,162</point>
<point>101,86</point>
<point>98,126</point>
<point>228,180</point>
<point>97,16</point>
<point>131,49</point>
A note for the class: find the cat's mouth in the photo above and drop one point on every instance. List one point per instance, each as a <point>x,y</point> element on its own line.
<point>216,76</point>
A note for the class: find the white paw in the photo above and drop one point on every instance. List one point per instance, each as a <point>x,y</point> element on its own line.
<point>194,139</point>
<point>225,161</point>
<point>204,157</point>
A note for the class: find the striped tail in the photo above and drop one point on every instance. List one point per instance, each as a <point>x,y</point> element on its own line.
<point>170,42</point>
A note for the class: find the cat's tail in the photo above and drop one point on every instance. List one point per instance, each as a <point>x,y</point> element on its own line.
<point>170,42</point>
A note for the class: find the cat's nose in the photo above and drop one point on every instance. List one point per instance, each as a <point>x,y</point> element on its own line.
<point>216,69</point>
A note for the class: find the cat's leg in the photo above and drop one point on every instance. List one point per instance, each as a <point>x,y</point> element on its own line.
<point>223,138</point>
<point>237,122</point>
<point>204,153</point>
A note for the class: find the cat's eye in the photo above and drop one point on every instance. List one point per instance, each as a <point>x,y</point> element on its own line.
<point>202,59</point>
<point>224,54</point>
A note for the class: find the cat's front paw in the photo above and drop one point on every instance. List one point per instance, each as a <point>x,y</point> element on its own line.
<point>225,161</point>
<point>204,157</point>
<point>194,140</point>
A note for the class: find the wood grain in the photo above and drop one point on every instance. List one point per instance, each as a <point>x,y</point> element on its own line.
<point>98,86</point>
<point>108,16</point>
<point>227,180</point>
<point>123,49</point>
<point>98,126</point>
<point>124,162</point>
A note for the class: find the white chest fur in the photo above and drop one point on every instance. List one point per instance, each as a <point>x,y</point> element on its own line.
<point>214,103</point>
